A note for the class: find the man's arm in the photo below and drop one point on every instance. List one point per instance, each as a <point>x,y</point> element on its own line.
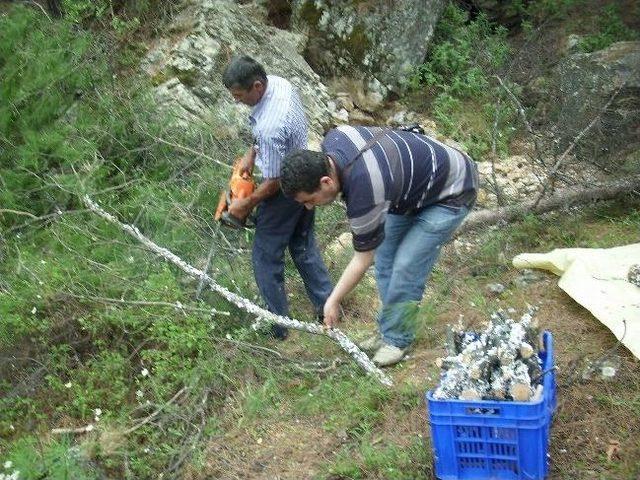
<point>248,160</point>
<point>354,272</point>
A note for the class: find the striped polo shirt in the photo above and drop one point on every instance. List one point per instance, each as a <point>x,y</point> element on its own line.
<point>400,174</point>
<point>278,124</point>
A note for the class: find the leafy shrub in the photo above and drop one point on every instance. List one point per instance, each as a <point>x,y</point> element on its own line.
<point>58,460</point>
<point>458,75</point>
<point>465,53</point>
<point>67,128</point>
<point>610,29</point>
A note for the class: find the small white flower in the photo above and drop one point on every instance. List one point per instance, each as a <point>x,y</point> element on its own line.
<point>139,393</point>
<point>40,282</point>
<point>178,304</point>
<point>38,296</point>
<point>34,310</point>
<point>67,385</point>
<point>42,262</point>
<point>130,259</point>
<point>144,372</point>
<point>228,336</point>
<point>8,464</point>
<point>146,450</point>
<point>97,412</point>
<point>89,427</point>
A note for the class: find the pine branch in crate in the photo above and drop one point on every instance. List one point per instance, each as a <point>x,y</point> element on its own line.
<point>499,363</point>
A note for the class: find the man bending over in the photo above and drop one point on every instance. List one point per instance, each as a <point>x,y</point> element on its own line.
<point>406,194</point>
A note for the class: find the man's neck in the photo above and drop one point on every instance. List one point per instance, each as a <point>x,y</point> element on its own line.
<point>335,173</point>
<point>264,91</point>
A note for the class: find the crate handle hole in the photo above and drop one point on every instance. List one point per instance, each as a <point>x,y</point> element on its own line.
<point>482,411</point>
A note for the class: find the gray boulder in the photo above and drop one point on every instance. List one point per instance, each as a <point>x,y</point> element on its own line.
<point>583,85</point>
<point>187,64</point>
<point>381,39</point>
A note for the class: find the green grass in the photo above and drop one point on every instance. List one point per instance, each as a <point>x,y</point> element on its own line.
<point>369,459</point>
<point>349,403</point>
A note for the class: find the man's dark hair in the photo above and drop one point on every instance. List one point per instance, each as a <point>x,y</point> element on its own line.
<point>302,170</point>
<point>242,71</point>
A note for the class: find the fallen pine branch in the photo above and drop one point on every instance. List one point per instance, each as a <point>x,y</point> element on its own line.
<point>562,198</point>
<point>335,334</point>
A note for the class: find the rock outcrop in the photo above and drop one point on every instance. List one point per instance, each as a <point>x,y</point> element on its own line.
<point>188,63</point>
<point>381,39</point>
<point>585,83</point>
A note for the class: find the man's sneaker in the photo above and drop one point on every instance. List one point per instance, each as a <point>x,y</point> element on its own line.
<point>372,343</point>
<point>388,355</point>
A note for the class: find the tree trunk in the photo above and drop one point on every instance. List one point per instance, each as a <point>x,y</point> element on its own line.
<point>562,198</point>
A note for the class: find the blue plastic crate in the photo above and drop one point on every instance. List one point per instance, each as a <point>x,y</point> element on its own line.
<point>486,440</point>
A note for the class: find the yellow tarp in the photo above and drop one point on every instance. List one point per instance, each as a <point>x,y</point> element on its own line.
<point>596,278</point>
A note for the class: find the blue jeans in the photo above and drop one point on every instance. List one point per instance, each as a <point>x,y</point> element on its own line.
<point>404,260</point>
<point>282,222</point>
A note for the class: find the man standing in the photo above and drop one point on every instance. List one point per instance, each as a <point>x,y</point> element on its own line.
<point>279,126</point>
<point>406,194</point>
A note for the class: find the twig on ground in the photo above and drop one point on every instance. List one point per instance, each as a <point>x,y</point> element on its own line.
<point>192,440</point>
<point>525,120</point>
<point>176,305</point>
<point>34,219</point>
<point>36,4</point>
<point>148,418</point>
<point>189,150</point>
<point>17,212</point>
<point>315,366</point>
<point>205,269</point>
<point>498,190</point>
<point>85,429</point>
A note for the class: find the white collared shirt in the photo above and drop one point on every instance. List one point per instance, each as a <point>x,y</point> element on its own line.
<point>278,124</point>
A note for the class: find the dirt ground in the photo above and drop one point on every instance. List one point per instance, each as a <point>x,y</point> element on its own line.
<point>595,432</point>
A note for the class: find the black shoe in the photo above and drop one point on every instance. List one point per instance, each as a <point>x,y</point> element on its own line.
<point>279,332</point>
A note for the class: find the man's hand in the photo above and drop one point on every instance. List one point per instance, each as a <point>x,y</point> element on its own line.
<point>241,208</point>
<point>331,312</point>
<point>354,272</point>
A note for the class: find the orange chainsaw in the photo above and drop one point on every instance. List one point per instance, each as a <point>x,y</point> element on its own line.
<point>241,186</point>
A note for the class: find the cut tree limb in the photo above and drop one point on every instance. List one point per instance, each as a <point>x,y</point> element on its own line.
<point>345,343</point>
<point>562,198</point>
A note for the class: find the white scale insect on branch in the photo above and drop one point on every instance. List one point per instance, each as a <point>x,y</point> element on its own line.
<point>339,337</point>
